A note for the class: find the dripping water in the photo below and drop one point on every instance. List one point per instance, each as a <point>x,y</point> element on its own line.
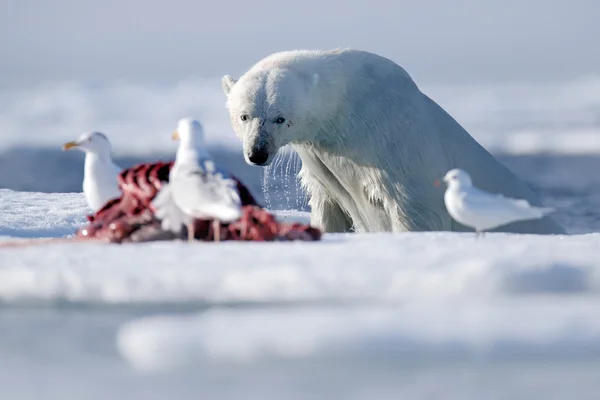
<point>280,184</point>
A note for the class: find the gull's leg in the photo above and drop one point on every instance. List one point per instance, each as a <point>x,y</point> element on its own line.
<point>191,231</point>
<point>244,231</point>
<point>216,230</point>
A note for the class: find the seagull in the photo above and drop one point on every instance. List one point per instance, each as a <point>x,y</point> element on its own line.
<point>197,189</point>
<point>100,172</point>
<point>481,210</point>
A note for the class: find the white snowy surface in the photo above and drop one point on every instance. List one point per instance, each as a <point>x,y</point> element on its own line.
<point>388,268</point>
<point>481,329</point>
<point>553,117</point>
<point>31,215</point>
<point>376,267</point>
<point>52,114</point>
<point>349,295</point>
<point>360,316</point>
<point>528,118</point>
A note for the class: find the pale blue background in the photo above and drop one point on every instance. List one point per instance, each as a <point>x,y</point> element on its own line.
<point>164,41</point>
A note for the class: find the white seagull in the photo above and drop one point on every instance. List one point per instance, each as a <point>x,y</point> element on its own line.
<point>481,210</point>
<point>100,172</point>
<point>197,189</point>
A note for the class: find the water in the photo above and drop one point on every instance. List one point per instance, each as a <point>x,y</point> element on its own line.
<point>280,186</point>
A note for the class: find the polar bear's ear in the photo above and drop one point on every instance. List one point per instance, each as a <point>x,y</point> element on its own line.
<point>227,83</point>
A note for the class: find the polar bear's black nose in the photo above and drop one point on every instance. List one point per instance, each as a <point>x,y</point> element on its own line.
<point>258,157</point>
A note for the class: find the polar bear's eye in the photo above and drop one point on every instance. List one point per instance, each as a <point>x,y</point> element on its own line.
<point>280,120</point>
<point>244,117</point>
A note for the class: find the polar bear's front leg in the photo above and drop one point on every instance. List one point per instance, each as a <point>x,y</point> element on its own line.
<point>327,215</point>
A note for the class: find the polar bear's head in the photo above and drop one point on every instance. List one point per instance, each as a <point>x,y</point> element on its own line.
<point>269,109</point>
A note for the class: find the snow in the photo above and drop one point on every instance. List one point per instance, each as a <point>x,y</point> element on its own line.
<point>27,215</point>
<point>425,297</point>
<point>51,114</point>
<point>416,330</point>
<point>521,118</point>
<point>341,268</point>
<point>528,118</point>
<point>428,266</point>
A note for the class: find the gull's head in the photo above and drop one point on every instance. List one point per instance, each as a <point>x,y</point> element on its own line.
<point>457,177</point>
<point>92,142</point>
<point>189,131</point>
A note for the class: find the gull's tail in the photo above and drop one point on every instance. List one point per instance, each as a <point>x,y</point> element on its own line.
<point>227,204</point>
<point>530,211</point>
<point>223,212</point>
<point>165,210</point>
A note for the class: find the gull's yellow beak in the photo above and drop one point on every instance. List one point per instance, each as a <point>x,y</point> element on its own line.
<point>69,145</point>
<point>437,183</point>
<point>175,135</point>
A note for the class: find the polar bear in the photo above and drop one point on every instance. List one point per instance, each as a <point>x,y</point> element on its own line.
<point>371,143</point>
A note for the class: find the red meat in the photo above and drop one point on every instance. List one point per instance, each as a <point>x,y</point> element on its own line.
<point>130,218</point>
